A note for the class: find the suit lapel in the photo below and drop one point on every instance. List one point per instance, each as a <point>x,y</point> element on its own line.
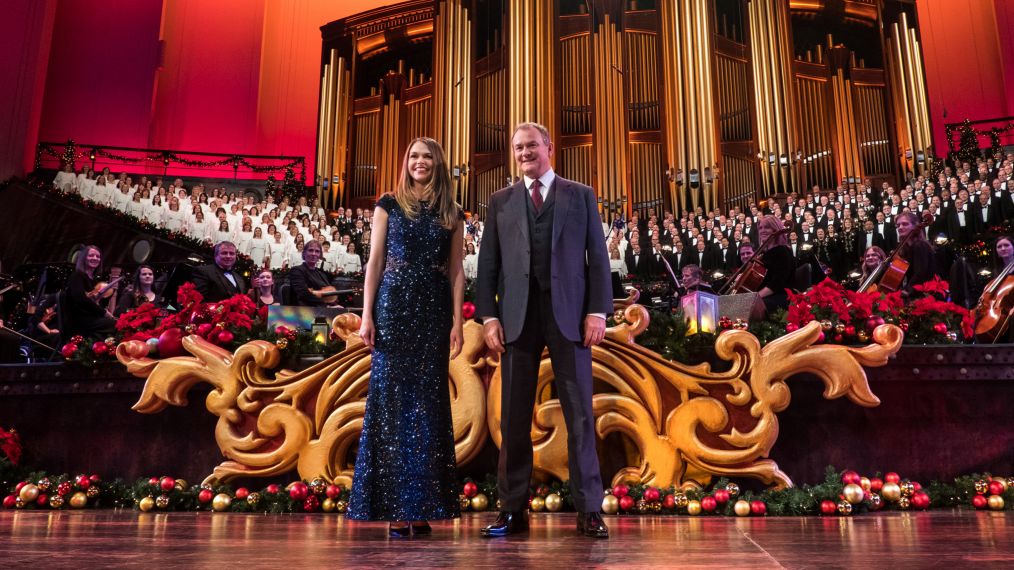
<point>564,199</point>
<point>518,207</point>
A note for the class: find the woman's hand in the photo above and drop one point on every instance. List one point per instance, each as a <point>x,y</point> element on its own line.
<point>367,331</point>
<point>457,341</point>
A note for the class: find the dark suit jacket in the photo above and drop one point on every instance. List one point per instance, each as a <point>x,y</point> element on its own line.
<point>683,259</point>
<point>301,280</point>
<point>860,243</point>
<point>212,284</point>
<point>579,262</point>
<point>955,231</point>
<point>641,267</point>
<point>992,218</point>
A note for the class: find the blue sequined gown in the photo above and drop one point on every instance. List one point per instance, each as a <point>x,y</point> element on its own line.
<point>405,469</point>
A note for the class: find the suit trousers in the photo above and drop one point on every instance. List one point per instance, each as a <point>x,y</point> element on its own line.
<point>572,371</point>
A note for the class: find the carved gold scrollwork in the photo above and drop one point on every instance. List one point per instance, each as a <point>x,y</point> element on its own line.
<point>685,422</point>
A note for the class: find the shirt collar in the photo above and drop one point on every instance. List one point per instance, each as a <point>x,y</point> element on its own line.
<point>546,180</point>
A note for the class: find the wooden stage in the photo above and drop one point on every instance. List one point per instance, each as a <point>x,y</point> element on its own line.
<point>109,538</point>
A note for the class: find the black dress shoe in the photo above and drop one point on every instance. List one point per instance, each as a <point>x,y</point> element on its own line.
<point>591,524</point>
<point>421,528</point>
<point>399,531</point>
<point>506,523</point>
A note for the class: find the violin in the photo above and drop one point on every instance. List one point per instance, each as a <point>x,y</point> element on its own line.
<point>750,276</point>
<point>106,289</point>
<point>994,311</point>
<point>889,276</point>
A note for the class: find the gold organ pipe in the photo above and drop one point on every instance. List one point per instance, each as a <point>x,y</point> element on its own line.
<point>327,108</point>
<point>321,122</point>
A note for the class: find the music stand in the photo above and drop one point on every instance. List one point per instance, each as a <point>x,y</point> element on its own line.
<point>745,306</point>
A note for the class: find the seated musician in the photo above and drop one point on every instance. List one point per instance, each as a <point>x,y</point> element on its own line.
<point>308,282</point>
<point>217,281</point>
<point>139,292</point>
<point>872,258</point>
<point>42,324</point>
<point>993,309</point>
<point>918,252</point>
<point>777,259</point>
<point>83,313</point>
<point>264,288</point>
<point>692,279</point>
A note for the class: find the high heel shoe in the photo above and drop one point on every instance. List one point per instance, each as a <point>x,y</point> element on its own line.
<point>421,528</point>
<point>399,531</point>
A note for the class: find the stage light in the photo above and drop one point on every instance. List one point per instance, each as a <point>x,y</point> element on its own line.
<point>855,274</point>
<point>941,239</point>
<point>701,312</point>
<point>985,272</point>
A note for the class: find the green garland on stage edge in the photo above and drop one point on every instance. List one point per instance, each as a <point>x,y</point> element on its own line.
<point>840,494</point>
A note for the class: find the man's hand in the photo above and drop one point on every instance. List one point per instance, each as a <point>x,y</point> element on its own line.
<point>492,333</point>
<point>594,330</point>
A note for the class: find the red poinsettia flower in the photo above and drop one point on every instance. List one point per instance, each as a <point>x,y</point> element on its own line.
<point>10,445</point>
<point>936,286</point>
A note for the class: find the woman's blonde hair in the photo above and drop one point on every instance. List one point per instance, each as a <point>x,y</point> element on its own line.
<point>439,185</point>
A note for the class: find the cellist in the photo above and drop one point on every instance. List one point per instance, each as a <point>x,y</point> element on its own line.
<point>777,258</point>
<point>993,312</point>
<point>917,251</point>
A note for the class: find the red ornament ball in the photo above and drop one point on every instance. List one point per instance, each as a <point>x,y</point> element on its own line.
<point>651,494</point>
<point>204,329</point>
<point>311,503</point>
<point>170,343</point>
<point>940,328</point>
<point>626,502</point>
<point>95,478</point>
<point>709,504</point>
<point>758,508</point>
<point>892,477</point>
<point>920,500</point>
<point>153,480</point>
<point>828,508</point>
<point>242,493</point>
<point>978,501</point>
<point>468,310</point>
<point>876,484</point>
<point>791,327</point>
<point>721,496</point>
<point>42,500</point>
<point>621,491</point>
<point>850,330</point>
<point>470,489</point>
<point>850,478</point>
<point>225,337</point>
<point>995,488</point>
<point>11,500</point>
<point>333,491</point>
<point>205,496</point>
<point>281,330</point>
<point>820,337</point>
<point>273,488</point>
<point>68,350</point>
<point>669,502</point>
<point>167,484</point>
<point>64,489</point>
<point>298,491</point>
<point>100,348</point>
<point>17,488</point>
<point>83,482</point>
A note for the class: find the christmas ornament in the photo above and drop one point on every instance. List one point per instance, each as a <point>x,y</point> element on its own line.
<point>642,506</point>
<point>333,491</point>
<point>876,484</point>
<point>464,501</point>
<point>44,484</point>
<point>850,330</point>
<point>480,502</point>
<point>64,488</point>
<point>92,492</point>
<point>850,477</point>
<point>982,486</point>
<point>651,494</point>
<point>844,508</point>
<point>620,491</point>
<point>839,328</point>
<point>100,348</point>
<point>340,506</point>
<point>876,503</point>
<point>225,337</point>
<point>470,489</point>
<point>721,496</point>
<point>83,482</point>
<point>979,501</point>
<point>145,504</point>
<point>28,493</point>
<point>553,502</point>
<point>791,327</point>
<point>681,500</point>
<point>242,493</point>
<point>865,483</point>
<point>669,502</point>
<point>907,488</point>
<point>862,336</point>
<point>853,493</point>
<point>42,500</point>
<point>920,500</point>
<point>542,491</point>
<point>995,502</point>
<point>825,325</point>
<point>741,508</point>
<point>311,503</point>
<point>253,498</point>
<point>891,492</point>
<point>273,488</point>
<point>181,485</point>
<point>733,489</point>
<point>709,504</point>
<point>904,503</point>
<point>610,504</point>
<point>298,491</point>
<point>995,488</point>
<point>327,505</point>
<point>19,486</point>
<point>56,501</point>
<point>318,486</point>
<point>153,481</point>
<point>68,350</point>
<point>940,328</point>
<point>694,508</point>
<point>758,508</point>
<point>282,343</point>
<point>892,477</point>
<point>626,503</point>
<point>9,501</point>
<point>205,495</point>
<point>221,502</point>
<point>827,507</point>
<point>1002,481</point>
<point>152,346</point>
<point>538,503</point>
<point>170,343</point>
<point>18,503</point>
<point>162,501</point>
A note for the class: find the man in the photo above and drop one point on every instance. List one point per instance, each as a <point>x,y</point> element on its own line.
<point>637,262</point>
<point>868,238</point>
<point>217,282</point>
<point>306,281</point>
<point>544,281</point>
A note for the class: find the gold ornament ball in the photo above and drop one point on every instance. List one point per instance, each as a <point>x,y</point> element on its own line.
<point>865,483</point>
<point>981,487</point>
<point>538,503</point>
<point>681,500</point>
<point>327,505</point>
<point>553,502</point>
<point>282,343</point>
<point>853,493</point>
<point>480,502</point>
<point>340,506</point>
<point>79,500</point>
<point>221,502</point>
<point>44,484</point>
<point>610,505</point>
<point>464,501</point>
<point>93,492</point>
<point>162,501</point>
<point>19,503</point>
<point>839,328</point>
<point>844,508</point>
<point>907,489</point>
<point>995,502</point>
<point>861,336</point>
<point>890,492</point>
<point>733,489</point>
<point>145,504</point>
<point>181,485</point>
<point>656,507</point>
<point>317,486</point>
<point>825,325</point>
<point>56,501</point>
<point>618,316</point>
<point>875,501</point>
<point>1002,481</point>
<point>741,508</point>
<point>29,493</point>
<point>253,498</point>
<point>694,508</point>
<point>642,506</point>
<point>904,503</point>
<point>690,486</point>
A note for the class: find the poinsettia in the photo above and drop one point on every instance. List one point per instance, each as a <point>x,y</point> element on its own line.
<point>10,445</point>
<point>935,286</point>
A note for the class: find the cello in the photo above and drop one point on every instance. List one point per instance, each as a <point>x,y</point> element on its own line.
<point>749,277</point>
<point>889,276</point>
<point>993,313</point>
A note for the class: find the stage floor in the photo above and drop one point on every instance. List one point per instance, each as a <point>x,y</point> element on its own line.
<point>107,538</point>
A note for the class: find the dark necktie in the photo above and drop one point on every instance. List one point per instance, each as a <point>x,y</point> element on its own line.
<point>537,195</point>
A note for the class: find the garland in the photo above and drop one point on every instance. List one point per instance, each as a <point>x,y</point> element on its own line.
<point>968,145</point>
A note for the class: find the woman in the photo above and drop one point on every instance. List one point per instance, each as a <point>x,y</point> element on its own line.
<point>917,251</point>
<point>414,290</point>
<point>873,257</point>
<point>82,314</point>
<point>777,258</point>
<point>470,264</point>
<point>264,289</point>
<point>259,248</point>
<point>278,253</point>
<point>351,263</point>
<point>139,292</point>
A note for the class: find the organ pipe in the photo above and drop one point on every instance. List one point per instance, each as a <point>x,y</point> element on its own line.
<point>530,44</point>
